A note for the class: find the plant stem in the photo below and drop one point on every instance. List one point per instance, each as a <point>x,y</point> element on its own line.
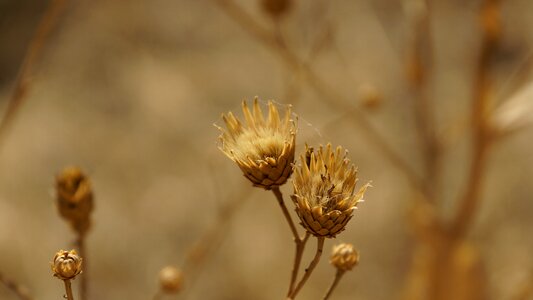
<point>50,17</point>
<point>16,288</point>
<point>158,295</point>
<point>333,285</point>
<point>285,211</point>
<point>299,242</point>
<point>80,244</point>
<point>300,246</point>
<point>310,268</point>
<point>68,289</point>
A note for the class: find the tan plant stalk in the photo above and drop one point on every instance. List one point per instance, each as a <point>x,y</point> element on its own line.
<point>299,241</point>
<point>334,283</point>
<point>33,52</point>
<point>68,290</point>
<point>321,87</point>
<point>19,290</point>
<point>310,268</point>
<point>418,71</point>
<point>480,116</point>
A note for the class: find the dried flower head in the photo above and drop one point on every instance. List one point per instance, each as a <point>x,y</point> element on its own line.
<point>344,257</point>
<point>324,191</point>
<point>74,198</point>
<point>263,149</point>
<point>170,279</point>
<point>66,264</point>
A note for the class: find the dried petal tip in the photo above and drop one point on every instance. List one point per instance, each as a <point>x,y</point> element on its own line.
<point>66,264</point>
<point>263,148</point>
<point>170,279</point>
<point>74,198</point>
<point>324,191</point>
<point>344,257</point>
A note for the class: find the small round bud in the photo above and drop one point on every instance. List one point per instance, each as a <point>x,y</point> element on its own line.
<point>369,96</point>
<point>344,257</point>
<point>170,279</point>
<point>276,8</point>
<point>66,264</point>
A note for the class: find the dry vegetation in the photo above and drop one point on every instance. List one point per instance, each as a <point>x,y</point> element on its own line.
<point>433,99</point>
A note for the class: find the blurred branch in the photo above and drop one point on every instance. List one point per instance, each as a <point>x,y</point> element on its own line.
<point>33,53</point>
<point>329,94</point>
<point>480,114</point>
<point>19,290</point>
<point>197,254</point>
<point>418,68</point>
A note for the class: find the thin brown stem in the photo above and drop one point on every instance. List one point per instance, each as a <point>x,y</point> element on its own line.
<point>321,87</point>
<point>33,52</point>
<point>158,295</point>
<point>82,250</point>
<point>286,213</point>
<point>480,116</point>
<point>19,290</point>
<point>418,70</point>
<point>300,246</point>
<point>68,290</point>
<point>310,268</point>
<point>338,276</point>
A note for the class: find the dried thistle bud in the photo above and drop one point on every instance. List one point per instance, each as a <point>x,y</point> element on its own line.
<point>324,191</point>
<point>170,279</point>
<point>74,198</point>
<point>276,8</point>
<point>66,264</point>
<point>344,257</point>
<point>262,148</point>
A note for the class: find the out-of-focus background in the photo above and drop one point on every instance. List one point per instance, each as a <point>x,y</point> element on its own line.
<point>129,91</point>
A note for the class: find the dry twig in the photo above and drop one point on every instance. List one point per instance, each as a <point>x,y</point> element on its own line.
<point>19,290</point>
<point>50,17</point>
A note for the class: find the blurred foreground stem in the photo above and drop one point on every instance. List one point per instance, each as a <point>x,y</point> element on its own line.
<point>33,52</point>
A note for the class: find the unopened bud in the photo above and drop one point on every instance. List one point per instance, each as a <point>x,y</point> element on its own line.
<point>344,257</point>
<point>170,279</point>
<point>74,198</point>
<point>66,264</point>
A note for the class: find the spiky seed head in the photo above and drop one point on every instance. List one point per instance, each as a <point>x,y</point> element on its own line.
<point>66,264</point>
<point>324,191</point>
<point>170,279</point>
<point>262,148</point>
<point>74,198</point>
<point>344,257</point>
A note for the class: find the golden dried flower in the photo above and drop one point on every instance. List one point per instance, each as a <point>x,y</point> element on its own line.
<point>263,149</point>
<point>344,257</point>
<point>324,191</point>
<point>74,198</point>
<point>170,279</point>
<point>276,8</point>
<point>66,264</point>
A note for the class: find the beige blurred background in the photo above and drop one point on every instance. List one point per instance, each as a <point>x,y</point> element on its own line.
<point>129,91</point>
